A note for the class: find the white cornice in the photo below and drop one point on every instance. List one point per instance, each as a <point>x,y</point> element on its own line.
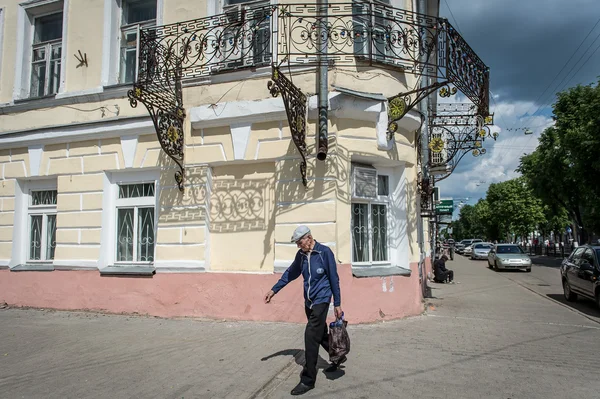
<point>224,114</point>
<point>116,127</point>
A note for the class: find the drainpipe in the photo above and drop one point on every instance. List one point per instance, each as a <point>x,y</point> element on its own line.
<point>323,91</point>
<point>423,105</point>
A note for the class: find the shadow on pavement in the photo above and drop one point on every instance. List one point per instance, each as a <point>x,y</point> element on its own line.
<point>583,305</point>
<point>546,261</point>
<point>298,355</point>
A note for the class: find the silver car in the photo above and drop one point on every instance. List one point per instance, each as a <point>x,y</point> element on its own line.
<point>508,256</point>
<point>481,250</point>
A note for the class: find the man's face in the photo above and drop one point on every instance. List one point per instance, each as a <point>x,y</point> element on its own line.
<point>304,243</point>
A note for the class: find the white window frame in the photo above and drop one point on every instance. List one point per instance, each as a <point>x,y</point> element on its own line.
<point>25,31</point>
<point>137,204</point>
<point>22,226</point>
<point>239,8</point>
<point>44,211</point>
<point>111,48</point>
<point>377,200</point>
<point>110,204</point>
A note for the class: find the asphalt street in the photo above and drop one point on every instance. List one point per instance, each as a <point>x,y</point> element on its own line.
<point>492,335</point>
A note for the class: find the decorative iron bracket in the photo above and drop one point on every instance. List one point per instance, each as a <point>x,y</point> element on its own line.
<point>159,88</point>
<point>454,131</point>
<point>295,108</point>
<point>400,104</point>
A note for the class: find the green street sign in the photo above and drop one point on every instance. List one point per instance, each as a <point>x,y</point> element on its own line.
<point>444,207</point>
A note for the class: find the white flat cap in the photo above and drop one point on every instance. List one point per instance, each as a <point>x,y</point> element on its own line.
<point>300,232</point>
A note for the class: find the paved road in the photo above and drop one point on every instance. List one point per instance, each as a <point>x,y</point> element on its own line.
<point>491,336</point>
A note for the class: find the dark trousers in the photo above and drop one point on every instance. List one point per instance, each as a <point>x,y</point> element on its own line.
<point>442,277</point>
<point>315,335</point>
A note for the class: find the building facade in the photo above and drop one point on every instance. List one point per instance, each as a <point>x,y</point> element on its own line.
<point>185,206</point>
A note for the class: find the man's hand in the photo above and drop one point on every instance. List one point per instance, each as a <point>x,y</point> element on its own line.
<point>269,295</point>
<point>338,312</point>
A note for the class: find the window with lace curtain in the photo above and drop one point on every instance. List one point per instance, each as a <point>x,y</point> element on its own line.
<point>42,225</point>
<point>370,217</point>
<point>135,238</point>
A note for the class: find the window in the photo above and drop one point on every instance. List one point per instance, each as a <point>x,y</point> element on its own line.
<point>135,237</point>
<point>371,29</point>
<point>238,51</point>
<point>42,225</point>
<point>136,15</point>
<point>588,257</point>
<point>370,217</point>
<point>46,55</point>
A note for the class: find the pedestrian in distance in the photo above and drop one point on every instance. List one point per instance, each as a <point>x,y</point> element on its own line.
<point>316,263</point>
<point>441,273</point>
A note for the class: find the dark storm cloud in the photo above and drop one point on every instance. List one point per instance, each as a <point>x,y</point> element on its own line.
<point>526,42</point>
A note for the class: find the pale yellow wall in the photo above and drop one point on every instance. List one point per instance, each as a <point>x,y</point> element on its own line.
<point>85,31</point>
<point>183,10</point>
<point>181,232</point>
<point>9,48</point>
<point>241,240</point>
<point>7,216</point>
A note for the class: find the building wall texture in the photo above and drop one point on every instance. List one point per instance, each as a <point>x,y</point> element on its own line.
<point>222,242</point>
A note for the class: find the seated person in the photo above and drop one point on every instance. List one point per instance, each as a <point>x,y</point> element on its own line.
<point>440,272</point>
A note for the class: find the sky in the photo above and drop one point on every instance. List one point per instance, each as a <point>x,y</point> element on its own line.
<point>534,48</point>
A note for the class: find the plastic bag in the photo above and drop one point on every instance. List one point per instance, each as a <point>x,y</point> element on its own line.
<point>339,340</point>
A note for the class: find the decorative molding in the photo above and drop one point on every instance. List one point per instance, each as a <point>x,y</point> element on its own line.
<point>35,159</point>
<point>24,105</point>
<point>115,127</point>
<point>236,112</point>
<point>240,133</point>
<point>129,147</point>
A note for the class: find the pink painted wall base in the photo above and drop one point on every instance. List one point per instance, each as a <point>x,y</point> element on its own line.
<point>229,296</point>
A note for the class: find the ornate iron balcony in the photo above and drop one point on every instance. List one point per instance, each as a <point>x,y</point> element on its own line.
<point>356,34</point>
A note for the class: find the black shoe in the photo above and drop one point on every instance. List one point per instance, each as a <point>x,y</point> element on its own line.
<point>301,389</point>
<point>335,366</point>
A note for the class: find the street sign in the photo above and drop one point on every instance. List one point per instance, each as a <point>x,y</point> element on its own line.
<point>444,207</point>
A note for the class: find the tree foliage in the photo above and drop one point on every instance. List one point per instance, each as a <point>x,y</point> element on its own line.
<point>565,168</point>
<point>510,208</point>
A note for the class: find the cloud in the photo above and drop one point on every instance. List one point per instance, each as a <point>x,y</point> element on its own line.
<point>526,43</point>
<point>473,175</point>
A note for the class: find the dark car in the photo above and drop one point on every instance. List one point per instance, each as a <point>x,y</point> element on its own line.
<point>581,273</point>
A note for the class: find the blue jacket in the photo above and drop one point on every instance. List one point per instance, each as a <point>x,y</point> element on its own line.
<point>320,279</point>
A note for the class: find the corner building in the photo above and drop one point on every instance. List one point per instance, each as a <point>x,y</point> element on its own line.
<point>92,215</point>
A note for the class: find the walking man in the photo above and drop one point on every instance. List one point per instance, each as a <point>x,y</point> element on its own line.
<point>316,263</point>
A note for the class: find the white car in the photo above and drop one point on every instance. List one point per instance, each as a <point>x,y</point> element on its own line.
<point>481,250</point>
<point>468,250</point>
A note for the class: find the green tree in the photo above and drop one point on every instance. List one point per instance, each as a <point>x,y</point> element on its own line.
<point>564,169</point>
<point>513,209</point>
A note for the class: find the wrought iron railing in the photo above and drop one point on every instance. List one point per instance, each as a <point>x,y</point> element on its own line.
<point>356,34</point>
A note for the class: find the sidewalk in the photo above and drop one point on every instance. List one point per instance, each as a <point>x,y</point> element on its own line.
<point>486,337</point>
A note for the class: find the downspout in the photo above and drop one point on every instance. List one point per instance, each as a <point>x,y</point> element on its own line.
<point>323,91</point>
<point>421,6</point>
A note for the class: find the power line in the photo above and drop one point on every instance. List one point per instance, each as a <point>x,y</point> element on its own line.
<point>564,66</point>
<point>549,99</point>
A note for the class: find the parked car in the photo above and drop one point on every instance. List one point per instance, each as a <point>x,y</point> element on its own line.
<point>580,273</point>
<point>481,250</point>
<point>467,244</point>
<point>460,246</point>
<point>508,256</point>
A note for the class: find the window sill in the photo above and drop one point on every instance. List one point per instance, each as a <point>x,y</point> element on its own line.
<point>149,270</point>
<point>31,267</point>
<point>379,271</point>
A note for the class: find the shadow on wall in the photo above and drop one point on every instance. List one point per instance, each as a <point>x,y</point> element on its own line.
<point>175,206</point>
<point>241,203</point>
